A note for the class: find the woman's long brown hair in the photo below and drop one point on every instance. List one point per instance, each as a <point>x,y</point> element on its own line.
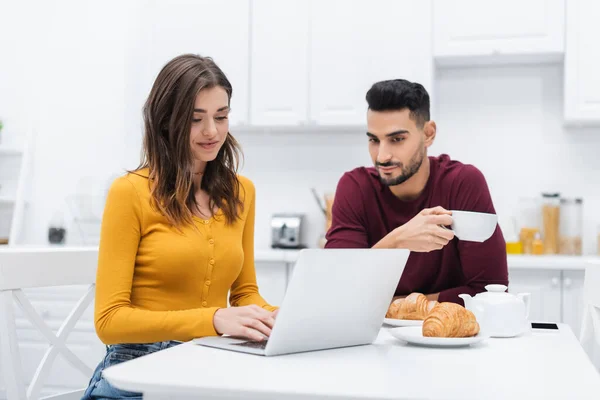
<point>168,114</point>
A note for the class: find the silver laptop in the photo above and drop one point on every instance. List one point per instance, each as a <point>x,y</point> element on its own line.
<point>335,298</point>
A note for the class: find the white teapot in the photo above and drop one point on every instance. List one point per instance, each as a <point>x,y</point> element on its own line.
<point>498,313</point>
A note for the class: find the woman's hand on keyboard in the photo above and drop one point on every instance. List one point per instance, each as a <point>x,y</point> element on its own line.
<point>250,322</point>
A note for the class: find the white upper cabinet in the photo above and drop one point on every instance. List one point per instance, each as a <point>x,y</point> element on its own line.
<point>582,63</point>
<point>296,62</point>
<point>485,32</point>
<point>219,29</point>
<point>353,45</point>
<point>279,70</point>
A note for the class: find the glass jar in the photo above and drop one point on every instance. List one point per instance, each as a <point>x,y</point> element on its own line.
<point>511,235</point>
<point>571,221</point>
<point>528,221</point>
<point>550,222</point>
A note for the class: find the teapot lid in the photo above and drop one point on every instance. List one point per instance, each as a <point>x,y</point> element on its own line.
<point>496,288</point>
<point>496,293</point>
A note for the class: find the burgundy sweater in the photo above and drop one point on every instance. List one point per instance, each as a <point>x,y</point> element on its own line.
<point>364,211</point>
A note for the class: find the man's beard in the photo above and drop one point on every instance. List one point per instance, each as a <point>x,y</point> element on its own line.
<point>407,172</point>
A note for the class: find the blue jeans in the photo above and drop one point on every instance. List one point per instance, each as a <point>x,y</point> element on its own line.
<point>100,389</point>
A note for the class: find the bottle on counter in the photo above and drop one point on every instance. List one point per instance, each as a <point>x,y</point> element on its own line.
<point>514,247</point>
<point>513,243</point>
<point>57,233</point>
<point>550,222</point>
<point>537,246</point>
<point>571,212</point>
<point>526,237</point>
<point>529,221</point>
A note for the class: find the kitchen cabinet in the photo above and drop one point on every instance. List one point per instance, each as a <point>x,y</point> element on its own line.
<point>573,303</point>
<point>468,32</point>
<point>198,30</point>
<point>325,56</point>
<point>353,47</point>
<point>582,63</point>
<point>279,63</point>
<point>556,295</point>
<point>545,289</point>
<point>308,72</point>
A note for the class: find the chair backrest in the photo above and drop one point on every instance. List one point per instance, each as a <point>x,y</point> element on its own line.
<point>590,326</point>
<point>23,268</point>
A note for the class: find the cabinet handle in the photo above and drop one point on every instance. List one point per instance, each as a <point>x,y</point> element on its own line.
<point>555,282</point>
<point>568,282</point>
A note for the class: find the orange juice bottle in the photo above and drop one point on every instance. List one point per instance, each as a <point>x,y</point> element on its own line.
<point>537,247</point>
<point>527,236</point>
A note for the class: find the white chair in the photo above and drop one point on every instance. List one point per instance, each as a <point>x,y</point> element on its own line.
<point>23,268</point>
<point>590,326</point>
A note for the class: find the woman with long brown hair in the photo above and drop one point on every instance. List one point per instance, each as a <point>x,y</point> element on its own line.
<point>178,232</point>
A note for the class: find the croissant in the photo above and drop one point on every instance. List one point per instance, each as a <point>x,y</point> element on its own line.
<point>415,306</point>
<point>450,320</point>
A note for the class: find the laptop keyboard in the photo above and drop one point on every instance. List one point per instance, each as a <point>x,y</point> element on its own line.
<point>255,345</point>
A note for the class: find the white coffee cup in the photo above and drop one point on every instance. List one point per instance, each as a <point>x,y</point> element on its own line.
<point>473,226</point>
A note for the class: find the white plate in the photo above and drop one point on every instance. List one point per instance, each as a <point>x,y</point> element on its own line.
<point>403,322</point>
<point>414,335</point>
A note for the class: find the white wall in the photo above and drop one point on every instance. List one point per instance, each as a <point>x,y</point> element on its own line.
<point>67,84</point>
<point>285,166</point>
<point>14,89</point>
<point>508,122</point>
<point>14,83</point>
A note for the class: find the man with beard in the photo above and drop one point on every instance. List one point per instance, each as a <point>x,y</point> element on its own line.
<point>403,201</point>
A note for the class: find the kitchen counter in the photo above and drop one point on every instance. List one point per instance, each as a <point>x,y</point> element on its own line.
<point>266,255</point>
<point>276,255</point>
<point>546,262</point>
<point>551,262</point>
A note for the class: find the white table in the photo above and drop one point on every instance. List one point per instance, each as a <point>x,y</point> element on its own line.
<point>544,365</point>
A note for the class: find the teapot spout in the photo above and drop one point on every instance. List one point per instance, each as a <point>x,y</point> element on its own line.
<point>467,299</point>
